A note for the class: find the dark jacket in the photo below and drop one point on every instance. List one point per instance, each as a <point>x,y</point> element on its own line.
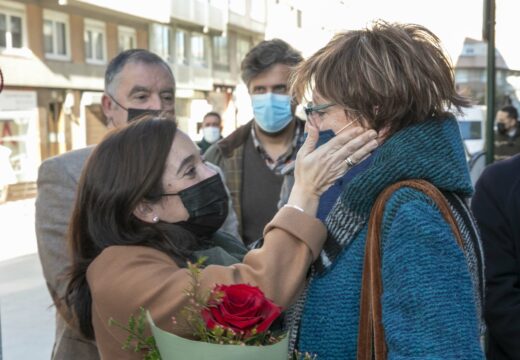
<point>496,205</point>
<point>205,145</point>
<point>507,145</point>
<point>228,155</point>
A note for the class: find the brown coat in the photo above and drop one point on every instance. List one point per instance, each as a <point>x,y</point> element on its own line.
<point>124,278</point>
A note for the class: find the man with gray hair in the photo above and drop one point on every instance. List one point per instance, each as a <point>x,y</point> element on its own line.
<point>136,82</point>
<point>254,156</point>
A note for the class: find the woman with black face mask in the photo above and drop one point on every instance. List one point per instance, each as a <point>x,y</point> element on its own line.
<point>147,204</point>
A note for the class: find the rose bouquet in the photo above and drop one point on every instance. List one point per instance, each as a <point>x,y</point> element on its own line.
<point>229,322</point>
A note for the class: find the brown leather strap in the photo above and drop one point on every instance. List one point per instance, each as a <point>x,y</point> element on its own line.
<point>371,336</point>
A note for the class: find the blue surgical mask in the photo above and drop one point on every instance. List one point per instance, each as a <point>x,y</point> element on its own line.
<point>272,111</point>
<point>326,135</point>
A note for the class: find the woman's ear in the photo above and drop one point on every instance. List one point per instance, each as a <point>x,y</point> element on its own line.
<point>144,211</point>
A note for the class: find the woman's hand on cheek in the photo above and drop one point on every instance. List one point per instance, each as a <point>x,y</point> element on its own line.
<point>317,169</point>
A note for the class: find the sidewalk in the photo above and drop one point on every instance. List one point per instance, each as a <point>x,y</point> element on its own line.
<point>17,229</point>
<point>26,314</point>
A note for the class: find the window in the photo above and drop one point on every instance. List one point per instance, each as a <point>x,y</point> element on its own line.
<point>127,38</point>
<point>469,75</point>
<point>470,130</point>
<point>56,35</point>
<point>221,4</point>
<point>461,76</point>
<point>11,29</point>
<point>160,41</point>
<point>258,10</point>
<point>243,46</point>
<point>220,53</point>
<point>238,6</point>
<point>181,47</point>
<point>299,19</point>
<point>199,49</point>
<point>95,42</point>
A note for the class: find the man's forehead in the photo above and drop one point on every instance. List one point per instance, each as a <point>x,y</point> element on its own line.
<point>502,114</point>
<point>210,118</point>
<point>278,74</point>
<point>145,75</point>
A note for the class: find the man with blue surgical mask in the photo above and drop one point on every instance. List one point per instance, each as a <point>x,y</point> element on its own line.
<point>253,156</point>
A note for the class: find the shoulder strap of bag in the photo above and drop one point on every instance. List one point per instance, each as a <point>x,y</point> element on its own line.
<point>371,336</point>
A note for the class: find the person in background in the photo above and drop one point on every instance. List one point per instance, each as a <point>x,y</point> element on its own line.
<point>253,156</point>
<point>211,130</point>
<point>496,205</point>
<point>507,138</point>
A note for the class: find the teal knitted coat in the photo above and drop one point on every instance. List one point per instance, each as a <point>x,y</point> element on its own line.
<point>429,306</point>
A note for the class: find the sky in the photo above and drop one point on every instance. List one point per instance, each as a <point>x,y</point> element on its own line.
<point>450,20</point>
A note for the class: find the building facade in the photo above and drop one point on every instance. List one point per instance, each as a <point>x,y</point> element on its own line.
<point>53,54</point>
<point>471,78</point>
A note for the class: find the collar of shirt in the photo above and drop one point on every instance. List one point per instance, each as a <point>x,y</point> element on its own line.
<point>277,165</point>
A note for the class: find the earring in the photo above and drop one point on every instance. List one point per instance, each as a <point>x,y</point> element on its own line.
<point>155,219</point>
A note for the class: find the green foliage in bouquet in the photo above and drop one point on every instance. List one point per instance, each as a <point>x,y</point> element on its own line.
<point>137,341</point>
<point>204,315</point>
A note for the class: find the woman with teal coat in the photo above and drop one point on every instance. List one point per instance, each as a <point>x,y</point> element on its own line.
<point>395,79</point>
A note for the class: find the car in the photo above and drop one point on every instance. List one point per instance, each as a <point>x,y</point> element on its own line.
<point>472,126</point>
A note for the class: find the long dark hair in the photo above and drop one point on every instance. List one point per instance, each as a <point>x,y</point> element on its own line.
<point>124,169</point>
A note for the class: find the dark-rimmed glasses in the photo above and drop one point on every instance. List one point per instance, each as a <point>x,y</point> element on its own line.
<point>311,110</point>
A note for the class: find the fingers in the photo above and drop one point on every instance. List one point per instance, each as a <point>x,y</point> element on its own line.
<point>310,142</point>
<point>362,153</point>
<point>317,169</point>
<point>358,148</point>
<point>344,137</point>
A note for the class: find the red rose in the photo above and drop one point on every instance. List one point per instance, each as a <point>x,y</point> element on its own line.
<point>241,308</point>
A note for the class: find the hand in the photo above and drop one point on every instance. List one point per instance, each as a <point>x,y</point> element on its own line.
<point>317,169</point>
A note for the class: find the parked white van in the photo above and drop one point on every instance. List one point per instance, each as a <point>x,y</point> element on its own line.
<point>472,128</point>
<point>472,125</point>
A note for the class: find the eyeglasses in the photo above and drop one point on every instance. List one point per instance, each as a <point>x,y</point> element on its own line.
<point>311,110</point>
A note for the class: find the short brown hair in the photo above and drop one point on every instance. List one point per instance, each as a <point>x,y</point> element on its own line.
<point>215,114</point>
<point>267,54</point>
<point>388,76</point>
<point>511,111</point>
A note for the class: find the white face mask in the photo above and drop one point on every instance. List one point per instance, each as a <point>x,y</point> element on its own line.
<point>211,134</point>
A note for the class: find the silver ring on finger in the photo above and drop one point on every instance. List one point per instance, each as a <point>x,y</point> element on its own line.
<point>349,162</point>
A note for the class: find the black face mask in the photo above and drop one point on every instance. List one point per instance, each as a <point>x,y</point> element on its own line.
<point>207,205</point>
<point>134,114</point>
<point>501,128</point>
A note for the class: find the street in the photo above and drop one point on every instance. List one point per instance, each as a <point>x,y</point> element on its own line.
<point>26,314</point>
